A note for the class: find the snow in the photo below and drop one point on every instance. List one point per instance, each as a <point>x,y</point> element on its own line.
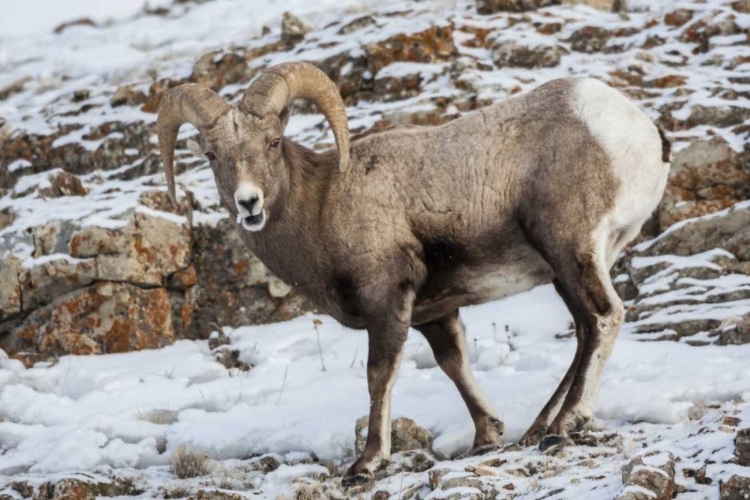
<point>88,412</point>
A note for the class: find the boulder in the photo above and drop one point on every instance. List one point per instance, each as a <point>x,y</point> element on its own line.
<point>605,5</point>
<point>63,184</point>
<point>736,488</point>
<point>66,489</point>
<point>649,477</point>
<point>742,447</point>
<point>728,230</point>
<point>154,245</point>
<point>10,287</point>
<point>406,435</point>
<point>591,39</point>
<point>734,331</point>
<point>494,6</point>
<point>292,28</point>
<point>103,318</point>
<point>705,177</point>
<point>216,70</point>
<point>510,53</point>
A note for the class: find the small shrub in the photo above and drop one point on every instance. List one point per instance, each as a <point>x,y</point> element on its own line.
<point>186,463</point>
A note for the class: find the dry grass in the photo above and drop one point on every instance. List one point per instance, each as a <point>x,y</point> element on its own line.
<point>159,417</point>
<point>314,490</point>
<point>186,463</point>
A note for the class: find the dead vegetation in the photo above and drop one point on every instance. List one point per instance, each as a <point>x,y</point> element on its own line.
<point>187,463</point>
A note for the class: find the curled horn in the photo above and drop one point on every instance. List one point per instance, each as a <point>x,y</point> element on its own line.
<point>189,103</point>
<point>279,85</point>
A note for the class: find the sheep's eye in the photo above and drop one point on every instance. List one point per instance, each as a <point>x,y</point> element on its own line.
<point>210,156</point>
<point>275,143</point>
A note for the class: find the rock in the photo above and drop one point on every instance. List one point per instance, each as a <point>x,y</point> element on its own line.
<point>591,39</point>
<point>729,231</point>
<point>717,117</point>
<point>639,474</point>
<point>494,6</point>
<point>230,358</point>
<point>63,184</point>
<point>736,488</point>
<point>733,331</point>
<point>265,464</point>
<point>216,70</point>
<point>83,21</point>
<point>7,217</point>
<point>705,177</point>
<point>605,5</point>
<point>22,488</point>
<point>292,28</point>
<point>66,489</point>
<point>10,287</point>
<point>678,17</point>
<point>356,25</point>
<point>128,96</point>
<point>182,279</point>
<point>215,495</point>
<point>153,246</point>
<point>742,447</point>
<point>52,237</point>
<point>53,278</point>
<point>513,54</point>
<point>102,318</point>
<point>406,435</point>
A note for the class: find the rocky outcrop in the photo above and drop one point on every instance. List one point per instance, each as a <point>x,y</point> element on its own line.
<point>91,289</point>
<point>735,488</point>
<point>705,177</point>
<point>649,477</point>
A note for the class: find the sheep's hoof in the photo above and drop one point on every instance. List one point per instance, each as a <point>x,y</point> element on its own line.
<point>552,444</point>
<point>483,450</point>
<point>358,481</point>
<point>533,436</point>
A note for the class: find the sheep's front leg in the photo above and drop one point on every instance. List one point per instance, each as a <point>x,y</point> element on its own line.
<point>387,335</point>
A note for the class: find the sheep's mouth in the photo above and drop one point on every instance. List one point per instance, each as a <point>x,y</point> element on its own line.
<point>252,222</point>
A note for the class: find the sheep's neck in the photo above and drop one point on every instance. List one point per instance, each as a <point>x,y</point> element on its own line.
<point>287,246</point>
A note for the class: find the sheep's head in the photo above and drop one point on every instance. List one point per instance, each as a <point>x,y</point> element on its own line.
<point>244,143</point>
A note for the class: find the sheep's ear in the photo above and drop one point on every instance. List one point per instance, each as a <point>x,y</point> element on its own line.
<point>284,116</point>
<point>195,148</point>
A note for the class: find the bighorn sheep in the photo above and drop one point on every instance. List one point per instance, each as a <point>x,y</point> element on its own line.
<point>404,227</point>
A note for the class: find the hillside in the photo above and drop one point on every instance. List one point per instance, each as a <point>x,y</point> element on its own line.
<point>138,337</point>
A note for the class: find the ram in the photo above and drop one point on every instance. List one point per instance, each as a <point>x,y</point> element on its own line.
<point>402,228</point>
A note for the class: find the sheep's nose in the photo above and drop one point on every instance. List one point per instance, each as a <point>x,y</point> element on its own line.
<point>248,204</point>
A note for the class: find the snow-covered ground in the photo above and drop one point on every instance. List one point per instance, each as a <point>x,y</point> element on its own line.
<point>97,413</point>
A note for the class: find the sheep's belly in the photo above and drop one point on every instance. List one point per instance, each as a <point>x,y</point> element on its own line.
<point>505,282</point>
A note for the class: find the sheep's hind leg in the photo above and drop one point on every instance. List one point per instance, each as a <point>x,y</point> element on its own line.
<point>447,339</point>
<point>585,280</point>
<point>538,429</point>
